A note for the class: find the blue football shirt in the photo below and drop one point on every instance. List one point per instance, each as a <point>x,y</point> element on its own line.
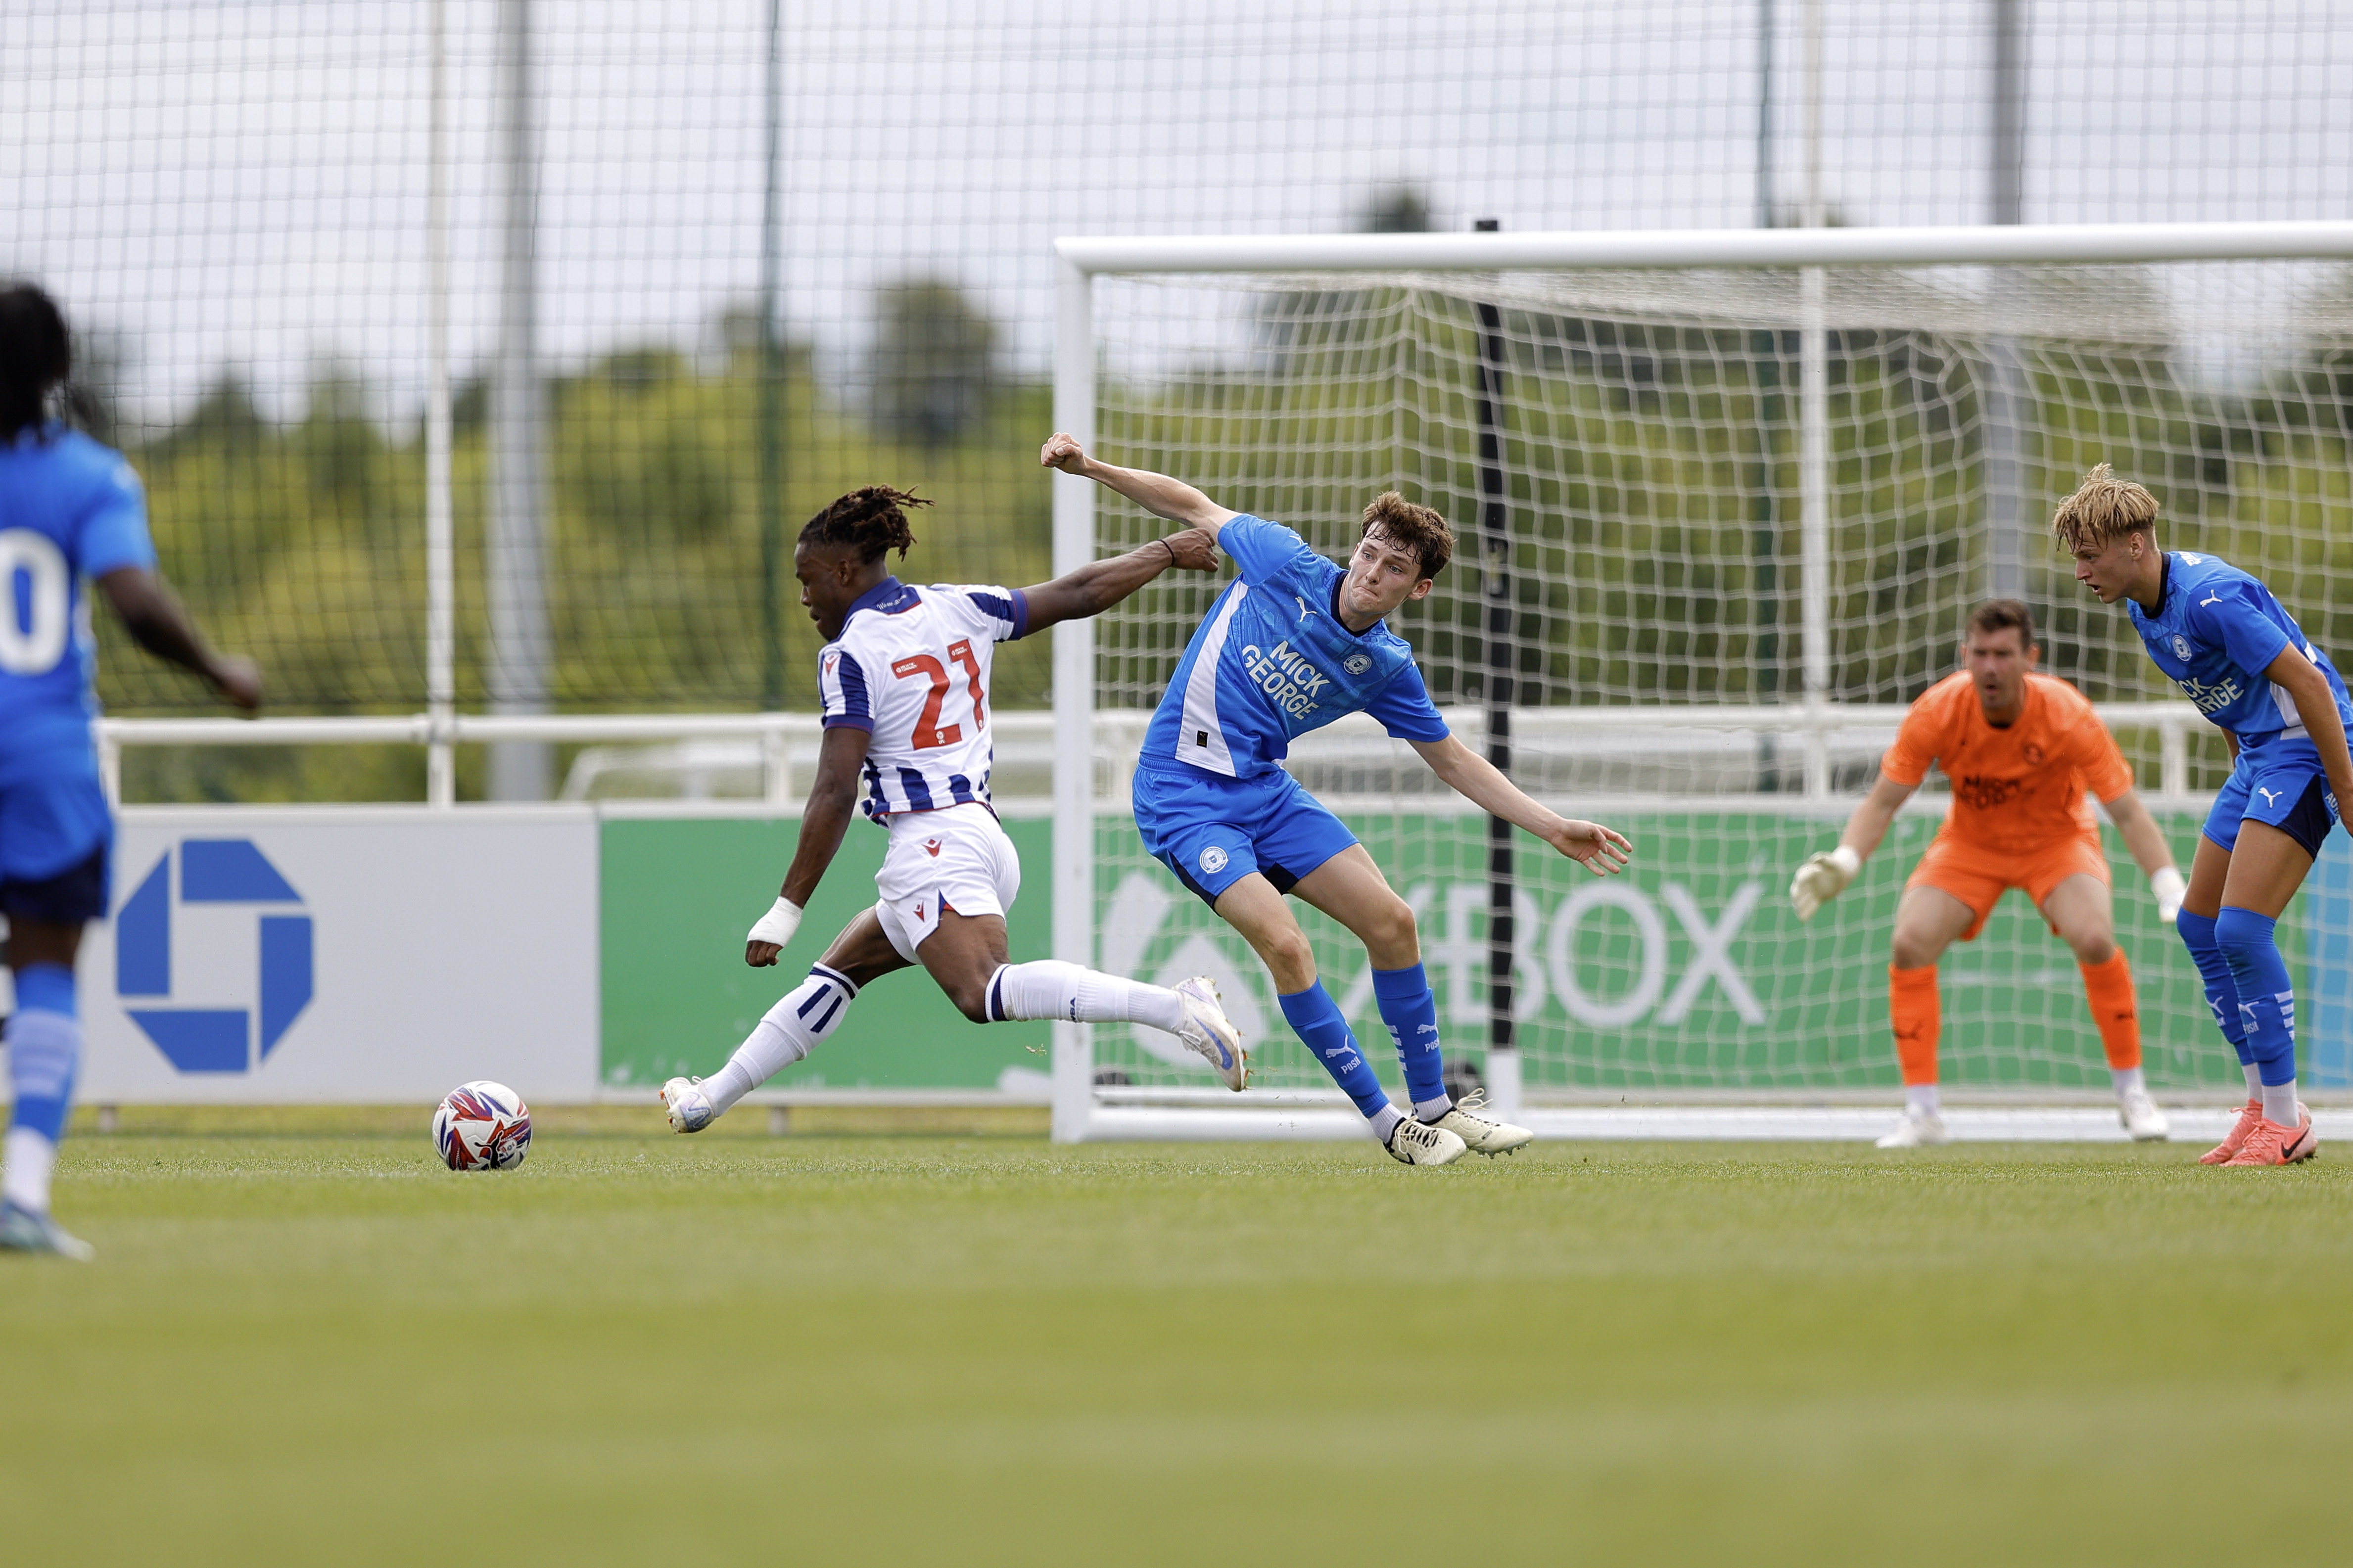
<point>1273,661</point>
<point>69,508</point>
<point>2215,632</point>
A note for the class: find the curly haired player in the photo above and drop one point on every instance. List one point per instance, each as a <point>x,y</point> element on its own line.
<point>1294,644</point>
<point>2235,651</point>
<point>904,680</point>
<point>70,509</point>
<point>2021,749</point>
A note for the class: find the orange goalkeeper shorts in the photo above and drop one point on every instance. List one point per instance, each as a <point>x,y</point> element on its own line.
<point>1978,876</point>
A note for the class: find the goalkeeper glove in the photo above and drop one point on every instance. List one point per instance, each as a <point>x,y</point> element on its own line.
<point>1822,878</point>
<point>2169,885</point>
<point>777,925</point>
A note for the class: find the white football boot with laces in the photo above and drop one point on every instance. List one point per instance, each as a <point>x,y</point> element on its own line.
<point>690,1108</point>
<point>1208,1030</point>
<point>1416,1142</point>
<point>1481,1134</point>
<point>1914,1132</point>
<point>2142,1118</point>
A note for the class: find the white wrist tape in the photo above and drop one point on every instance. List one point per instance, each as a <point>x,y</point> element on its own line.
<point>1847,860</point>
<point>777,925</point>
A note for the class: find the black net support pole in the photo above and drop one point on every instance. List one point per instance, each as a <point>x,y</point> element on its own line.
<point>1495,580</point>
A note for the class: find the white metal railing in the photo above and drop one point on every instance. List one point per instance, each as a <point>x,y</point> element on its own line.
<point>1118,735</point>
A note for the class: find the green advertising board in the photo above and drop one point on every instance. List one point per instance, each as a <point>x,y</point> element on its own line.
<point>1688,972</point>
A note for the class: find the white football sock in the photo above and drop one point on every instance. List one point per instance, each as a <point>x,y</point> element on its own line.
<point>2279,1103</point>
<point>1433,1110</point>
<point>2128,1081</point>
<point>1049,988</point>
<point>2254,1080</point>
<point>787,1032</point>
<point>30,1159</point>
<point>1920,1098</point>
<point>1384,1121</point>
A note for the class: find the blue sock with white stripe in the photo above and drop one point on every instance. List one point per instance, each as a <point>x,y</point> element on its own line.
<point>1316,1019</point>
<point>43,1055</point>
<point>1411,1011</point>
<point>2222,991</point>
<point>2266,1003</point>
<point>790,1030</point>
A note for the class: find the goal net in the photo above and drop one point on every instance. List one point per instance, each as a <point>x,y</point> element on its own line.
<point>1739,502</point>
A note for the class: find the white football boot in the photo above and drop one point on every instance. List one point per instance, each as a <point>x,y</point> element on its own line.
<point>1914,1132</point>
<point>690,1108</point>
<point>1416,1142</point>
<point>1208,1030</point>
<point>22,1230</point>
<point>1479,1134</point>
<point>2142,1118</point>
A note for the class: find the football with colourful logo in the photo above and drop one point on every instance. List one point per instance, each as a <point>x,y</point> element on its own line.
<point>482,1126</point>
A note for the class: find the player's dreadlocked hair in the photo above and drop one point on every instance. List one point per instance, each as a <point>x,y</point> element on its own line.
<point>2103,510</point>
<point>867,521</point>
<point>35,355</point>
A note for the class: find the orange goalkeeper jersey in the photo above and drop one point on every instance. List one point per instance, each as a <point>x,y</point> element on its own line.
<point>2019,787</point>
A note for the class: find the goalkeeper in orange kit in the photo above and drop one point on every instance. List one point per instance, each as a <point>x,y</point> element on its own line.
<point>2020,750</point>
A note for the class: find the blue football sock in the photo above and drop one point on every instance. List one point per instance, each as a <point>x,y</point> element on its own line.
<point>2222,991</point>
<point>2266,995</point>
<point>1411,1013</point>
<point>1315,1018</point>
<point>44,1048</point>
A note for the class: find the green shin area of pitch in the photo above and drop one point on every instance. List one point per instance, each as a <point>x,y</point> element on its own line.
<point>310,1346</point>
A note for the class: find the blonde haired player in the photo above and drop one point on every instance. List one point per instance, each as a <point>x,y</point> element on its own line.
<point>2021,749</point>
<point>2235,651</point>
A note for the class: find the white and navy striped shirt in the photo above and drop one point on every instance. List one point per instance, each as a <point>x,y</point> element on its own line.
<point>910,668</point>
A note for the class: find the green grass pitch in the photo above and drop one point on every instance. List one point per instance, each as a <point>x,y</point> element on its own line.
<point>305,1342</point>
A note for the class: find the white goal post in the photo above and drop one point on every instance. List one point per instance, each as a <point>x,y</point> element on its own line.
<point>1909,401</point>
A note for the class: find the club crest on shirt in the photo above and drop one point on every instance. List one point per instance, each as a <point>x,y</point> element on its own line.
<point>2181,645</point>
<point>2032,753</point>
<point>932,847</point>
<point>1357,663</point>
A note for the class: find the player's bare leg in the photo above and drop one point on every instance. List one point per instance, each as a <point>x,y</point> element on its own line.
<point>969,957</point>
<point>1349,887</point>
<point>1254,908</point>
<point>1928,920</point>
<point>2082,910</point>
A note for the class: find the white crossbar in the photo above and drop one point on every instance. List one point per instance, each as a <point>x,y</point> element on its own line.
<point>2053,244</point>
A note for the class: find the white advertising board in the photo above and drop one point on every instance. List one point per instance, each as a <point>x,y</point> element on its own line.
<point>344,955</point>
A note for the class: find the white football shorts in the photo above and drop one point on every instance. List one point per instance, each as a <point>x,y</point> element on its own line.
<point>958,858</point>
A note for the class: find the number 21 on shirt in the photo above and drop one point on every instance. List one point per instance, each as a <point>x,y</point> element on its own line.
<point>929,735</point>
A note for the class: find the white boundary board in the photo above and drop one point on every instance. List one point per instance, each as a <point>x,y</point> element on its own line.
<point>443,946</point>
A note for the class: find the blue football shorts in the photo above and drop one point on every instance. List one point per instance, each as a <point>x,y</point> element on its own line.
<point>55,836</point>
<point>1213,831</point>
<point>2281,785</point>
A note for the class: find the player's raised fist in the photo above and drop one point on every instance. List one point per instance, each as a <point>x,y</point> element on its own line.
<point>1822,878</point>
<point>239,681</point>
<point>1063,452</point>
<point>1193,548</point>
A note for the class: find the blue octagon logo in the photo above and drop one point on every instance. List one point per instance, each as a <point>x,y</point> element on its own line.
<point>214,1039</point>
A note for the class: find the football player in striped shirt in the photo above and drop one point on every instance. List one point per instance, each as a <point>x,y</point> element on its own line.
<point>1295,643</point>
<point>2235,651</point>
<point>903,684</point>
